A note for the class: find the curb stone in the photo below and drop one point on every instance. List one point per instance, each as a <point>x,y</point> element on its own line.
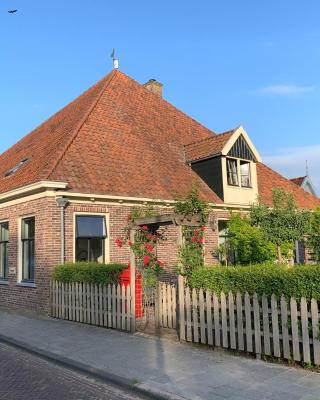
<point>140,388</point>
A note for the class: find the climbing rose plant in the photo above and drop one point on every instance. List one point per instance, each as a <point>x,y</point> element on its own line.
<point>144,248</point>
<point>191,253</point>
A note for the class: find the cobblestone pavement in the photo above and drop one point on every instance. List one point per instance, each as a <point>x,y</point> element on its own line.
<point>27,377</point>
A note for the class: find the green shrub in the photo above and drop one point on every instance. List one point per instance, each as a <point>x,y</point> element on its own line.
<point>298,281</point>
<point>248,242</point>
<point>88,272</point>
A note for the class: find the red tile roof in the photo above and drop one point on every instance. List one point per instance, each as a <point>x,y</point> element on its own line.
<point>298,181</point>
<point>120,139</point>
<point>269,179</point>
<point>45,145</point>
<point>117,138</point>
<point>207,147</point>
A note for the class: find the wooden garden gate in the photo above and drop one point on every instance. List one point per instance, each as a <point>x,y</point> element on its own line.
<point>160,303</point>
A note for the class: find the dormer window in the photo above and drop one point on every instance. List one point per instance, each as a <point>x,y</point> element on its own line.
<point>233,168</point>
<point>245,174</point>
<point>232,171</point>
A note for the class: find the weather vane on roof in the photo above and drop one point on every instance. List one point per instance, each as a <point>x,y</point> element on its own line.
<point>307,168</point>
<point>115,60</point>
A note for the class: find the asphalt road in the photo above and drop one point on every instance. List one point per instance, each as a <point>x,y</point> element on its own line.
<point>24,376</point>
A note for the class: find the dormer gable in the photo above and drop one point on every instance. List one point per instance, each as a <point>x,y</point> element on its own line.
<point>227,163</point>
<point>240,149</point>
<point>240,138</point>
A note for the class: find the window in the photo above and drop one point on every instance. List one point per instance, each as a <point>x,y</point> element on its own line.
<point>4,238</point>
<point>232,171</point>
<point>245,174</point>
<point>223,231</point>
<point>91,233</point>
<point>227,256</point>
<point>28,253</point>
<point>16,167</point>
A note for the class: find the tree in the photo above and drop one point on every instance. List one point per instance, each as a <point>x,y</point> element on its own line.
<point>313,241</point>
<point>283,223</point>
<point>248,242</point>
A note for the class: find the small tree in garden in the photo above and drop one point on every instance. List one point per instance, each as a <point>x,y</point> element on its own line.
<point>282,224</point>
<point>224,252</point>
<point>313,241</point>
<point>248,242</point>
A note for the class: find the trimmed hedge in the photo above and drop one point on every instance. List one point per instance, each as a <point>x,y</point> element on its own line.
<point>88,272</point>
<point>298,281</point>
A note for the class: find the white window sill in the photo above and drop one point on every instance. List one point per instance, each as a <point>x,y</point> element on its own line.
<point>240,187</point>
<point>26,284</point>
<point>3,282</point>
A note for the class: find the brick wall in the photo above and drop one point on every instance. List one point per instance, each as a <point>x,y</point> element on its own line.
<point>47,244</point>
<point>47,253</point>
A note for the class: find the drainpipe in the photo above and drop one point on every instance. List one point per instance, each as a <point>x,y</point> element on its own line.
<point>62,203</point>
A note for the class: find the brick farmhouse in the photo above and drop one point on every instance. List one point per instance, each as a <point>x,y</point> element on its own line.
<point>67,188</point>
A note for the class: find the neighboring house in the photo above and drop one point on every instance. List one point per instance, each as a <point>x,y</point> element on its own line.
<point>306,184</point>
<point>300,251</point>
<point>67,188</point>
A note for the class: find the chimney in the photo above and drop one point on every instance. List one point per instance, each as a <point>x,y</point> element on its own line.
<point>154,87</point>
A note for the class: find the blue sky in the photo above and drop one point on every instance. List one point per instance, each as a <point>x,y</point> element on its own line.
<point>225,63</point>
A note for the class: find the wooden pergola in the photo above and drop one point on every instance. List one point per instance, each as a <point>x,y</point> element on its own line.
<point>156,221</point>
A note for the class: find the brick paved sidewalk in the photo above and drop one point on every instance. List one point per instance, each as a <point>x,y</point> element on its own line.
<point>160,365</point>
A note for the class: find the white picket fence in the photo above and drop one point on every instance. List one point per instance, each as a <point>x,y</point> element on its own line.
<point>259,325</point>
<point>255,324</point>
<point>167,305</point>
<point>107,306</point>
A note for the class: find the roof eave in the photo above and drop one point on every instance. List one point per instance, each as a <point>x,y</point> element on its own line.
<point>32,188</point>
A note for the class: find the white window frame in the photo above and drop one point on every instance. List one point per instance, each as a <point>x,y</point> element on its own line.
<point>238,161</point>
<point>20,282</point>
<point>220,219</point>
<point>5,280</point>
<point>106,240</point>
<point>248,162</point>
<point>237,166</point>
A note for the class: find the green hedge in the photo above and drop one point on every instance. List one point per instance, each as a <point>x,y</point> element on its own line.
<point>88,272</point>
<point>297,281</point>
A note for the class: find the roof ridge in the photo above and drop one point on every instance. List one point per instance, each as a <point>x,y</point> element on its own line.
<point>215,136</point>
<point>81,123</point>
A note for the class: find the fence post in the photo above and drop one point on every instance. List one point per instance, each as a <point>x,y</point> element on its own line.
<point>133,283</point>
<point>157,306</point>
<point>182,325</point>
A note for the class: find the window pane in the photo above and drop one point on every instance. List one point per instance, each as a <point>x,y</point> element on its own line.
<point>91,226</point>
<point>232,171</point>
<point>3,261</point>
<point>245,174</point>
<point>223,230</point>
<point>28,228</point>
<point>28,260</point>
<point>97,250</point>
<point>4,231</point>
<point>90,249</point>
<point>82,247</point>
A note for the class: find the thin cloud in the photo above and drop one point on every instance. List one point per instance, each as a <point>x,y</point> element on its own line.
<point>291,162</point>
<point>285,90</point>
